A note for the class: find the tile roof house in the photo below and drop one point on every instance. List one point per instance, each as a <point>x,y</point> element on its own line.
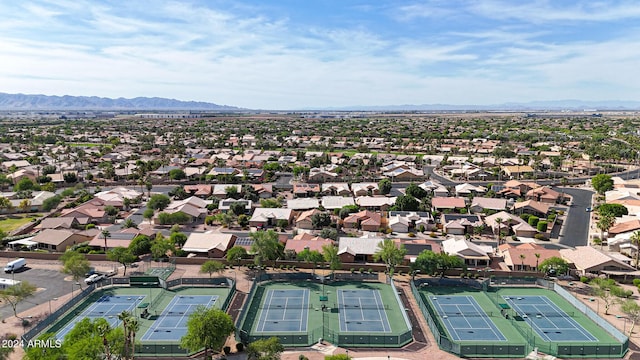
<point>59,223</point>
<point>415,246</point>
<point>92,209</point>
<point>543,194</point>
<point>435,188</point>
<point>59,239</point>
<point>365,189</point>
<point>523,257</point>
<point>265,191</point>
<point>209,244</point>
<point>587,259</point>
<point>199,190</point>
<point>305,190</point>
<point>469,189</point>
<point>472,254</point>
<point>375,202</point>
<point>352,249</point>
<point>510,222</point>
<point>336,202</point>
<point>532,207</point>
<point>408,221</point>
<point>193,206</point>
<point>480,204</point>
<point>364,220</point>
<point>460,224</point>
<point>220,190</point>
<point>336,189</point>
<point>225,205</point>
<point>269,217</point>
<point>303,204</point>
<point>304,219</point>
<point>447,203</point>
<point>304,241</point>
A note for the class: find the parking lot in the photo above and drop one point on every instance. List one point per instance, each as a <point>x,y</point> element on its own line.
<point>48,279</point>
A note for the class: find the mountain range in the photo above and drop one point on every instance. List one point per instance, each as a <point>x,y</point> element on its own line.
<point>67,102</point>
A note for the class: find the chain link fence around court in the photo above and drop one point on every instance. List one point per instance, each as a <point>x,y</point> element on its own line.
<point>467,349</point>
<point>56,315</point>
<point>251,310</point>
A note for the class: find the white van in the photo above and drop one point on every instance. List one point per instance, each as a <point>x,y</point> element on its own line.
<point>15,265</point>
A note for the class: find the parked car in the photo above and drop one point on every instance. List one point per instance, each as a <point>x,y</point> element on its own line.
<point>94,278</point>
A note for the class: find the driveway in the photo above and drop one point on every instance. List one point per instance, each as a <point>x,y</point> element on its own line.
<point>575,230</point>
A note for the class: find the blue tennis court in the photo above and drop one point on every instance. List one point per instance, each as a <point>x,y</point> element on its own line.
<point>171,325</point>
<point>549,321</point>
<point>107,307</point>
<point>284,311</point>
<point>362,311</point>
<point>465,319</point>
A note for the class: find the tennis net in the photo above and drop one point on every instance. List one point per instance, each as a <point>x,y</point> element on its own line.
<point>364,306</point>
<point>545,315</point>
<point>286,307</point>
<point>467,314</point>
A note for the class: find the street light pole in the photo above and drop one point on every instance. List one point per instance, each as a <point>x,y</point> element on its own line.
<point>54,299</point>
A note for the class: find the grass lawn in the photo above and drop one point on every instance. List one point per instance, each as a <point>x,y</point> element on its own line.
<point>12,222</point>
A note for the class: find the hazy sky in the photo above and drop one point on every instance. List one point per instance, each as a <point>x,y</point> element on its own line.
<point>293,54</point>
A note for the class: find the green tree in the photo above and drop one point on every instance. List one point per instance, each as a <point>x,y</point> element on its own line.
<point>211,266</point>
<point>602,289</point>
<point>75,264</point>
<point>330,254</point>
<point>160,247</point>
<point>93,340</point>
<point>178,239</point>
<point>632,310</point>
<point>554,266</point>
<point>270,203</point>
<point>311,256</point>
<point>385,186</point>
<point>207,328</point>
<point>236,254</point>
<point>348,209</point>
<point>148,214</point>
<point>51,203</point>
<point>266,246</point>
<point>130,327</point>
<point>129,223</point>
<point>320,220</point>
<point>329,233</point>
<point>243,221</point>
<point>427,262</point>
<point>158,202</point>
<point>602,183</point>
<point>177,174</point>
<point>265,349</point>
<point>617,210</point>
<point>416,191</point>
<point>122,255</point>
<point>605,223</point>
<point>25,184</point>
<point>141,244</point>
<point>105,235</point>
<point>406,203</point>
<point>14,295</point>
<point>238,207</point>
<point>44,352</point>
<point>391,254</point>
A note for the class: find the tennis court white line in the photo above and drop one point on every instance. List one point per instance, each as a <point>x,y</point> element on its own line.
<point>385,324</point>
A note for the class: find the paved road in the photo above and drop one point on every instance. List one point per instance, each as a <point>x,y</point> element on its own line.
<point>51,285</point>
<point>575,230</point>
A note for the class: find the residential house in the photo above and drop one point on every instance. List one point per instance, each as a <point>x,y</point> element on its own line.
<point>93,210</point>
<point>60,223</point>
<point>269,217</point>
<point>306,190</point>
<point>306,241</point>
<point>514,189</point>
<point>465,190</point>
<point>221,190</point>
<point>505,222</point>
<point>402,174</point>
<point>193,206</point>
<point>304,219</point>
<point>589,260</point>
<point>365,189</point>
<point>448,203</point>
<point>434,188</point>
<point>59,240</point>
<point>518,171</point>
<point>481,204</point>
<point>336,189</point>
<point>373,203</point>
<point>364,220</point>
<point>303,203</point>
<point>199,190</point>
<point>416,246</point>
<point>409,221</point>
<point>225,205</point>
<point>210,244</point>
<point>543,194</point>
<point>320,175</point>
<point>472,254</point>
<point>360,249</point>
<point>460,224</point>
<point>525,257</point>
<point>532,207</point>
<point>265,191</point>
<point>336,202</point>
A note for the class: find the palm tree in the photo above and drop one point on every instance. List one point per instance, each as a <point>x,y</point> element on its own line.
<point>499,221</point>
<point>522,261</point>
<point>635,240</point>
<point>131,326</point>
<point>604,224</point>
<point>537,259</point>
<point>105,235</point>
